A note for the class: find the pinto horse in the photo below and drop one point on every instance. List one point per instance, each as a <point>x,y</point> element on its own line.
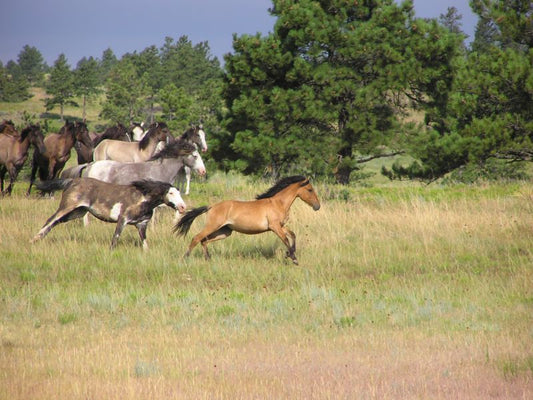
<point>133,151</point>
<point>124,204</point>
<point>269,212</point>
<point>14,152</point>
<point>58,146</point>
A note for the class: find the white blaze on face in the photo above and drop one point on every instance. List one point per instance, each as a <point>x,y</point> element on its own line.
<point>174,198</point>
<point>115,211</point>
<point>138,133</point>
<point>203,144</point>
<point>194,161</point>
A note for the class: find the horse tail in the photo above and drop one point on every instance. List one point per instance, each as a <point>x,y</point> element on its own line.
<point>52,185</point>
<point>184,224</point>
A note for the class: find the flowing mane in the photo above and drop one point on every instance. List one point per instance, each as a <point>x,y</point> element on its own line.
<point>174,150</point>
<point>147,187</point>
<point>280,185</point>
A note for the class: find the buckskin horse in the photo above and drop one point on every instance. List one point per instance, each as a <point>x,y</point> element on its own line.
<point>133,151</point>
<point>124,204</point>
<point>269,212</point>
<point>14,152</point>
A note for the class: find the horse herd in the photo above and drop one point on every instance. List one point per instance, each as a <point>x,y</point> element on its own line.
<point>124,174</point>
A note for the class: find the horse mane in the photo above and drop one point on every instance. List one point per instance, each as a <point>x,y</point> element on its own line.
<point>26,131</point>
<point>173,150</point>
<point>148,187</point>
<point>282,184</point>
<point>143,144</point>
<point>5,124</point>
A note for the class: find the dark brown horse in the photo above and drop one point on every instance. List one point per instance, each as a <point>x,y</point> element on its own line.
<point>14,152</point>
<point>58,147</point>
<point>116,132</point>
<point>124,204</point>
<point>269,212</point>
<point>83,150</point>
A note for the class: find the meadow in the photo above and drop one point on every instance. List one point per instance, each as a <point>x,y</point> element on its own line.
<point>402,292</point>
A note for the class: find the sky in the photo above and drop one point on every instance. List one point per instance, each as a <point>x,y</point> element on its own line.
<point>86,28</point>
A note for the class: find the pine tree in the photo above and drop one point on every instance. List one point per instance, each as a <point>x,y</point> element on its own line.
<point>60,86</point>
<point>86,81</point>
<point>32,65</point>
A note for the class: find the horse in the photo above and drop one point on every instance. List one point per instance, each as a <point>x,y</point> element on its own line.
<point>7,127</point>
<point>83,150</point>
<point>268,212</point>
<point>58,146</point>
<point>163,166</point>
<point>196,135</point>
<point>116,132</point>
<point>133,151</point>
<point>124,204</point>
<point>137,131</point>
<point>14,152</point>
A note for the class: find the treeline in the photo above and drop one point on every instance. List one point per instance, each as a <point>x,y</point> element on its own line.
<point>330,88</point>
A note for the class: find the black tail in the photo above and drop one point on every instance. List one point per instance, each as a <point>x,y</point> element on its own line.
<point>184,224</point>
<point>53,185</point>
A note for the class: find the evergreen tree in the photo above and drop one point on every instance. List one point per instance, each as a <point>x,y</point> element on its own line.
<point>489,109</point>
<point>86,81</point>
<point>124,94</point>
<point>323,91</point>
<point>108,61</point>
<point>32,65</point>
<point>60,86</point>
<point>14,86</point>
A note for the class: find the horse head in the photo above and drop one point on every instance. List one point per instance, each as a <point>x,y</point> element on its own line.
<point>36,137</point>
<point>7,127</point>
<point>82,134</point>
<point>307,193</point>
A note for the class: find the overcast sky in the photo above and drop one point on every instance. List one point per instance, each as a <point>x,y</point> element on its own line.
<point>87,28</point>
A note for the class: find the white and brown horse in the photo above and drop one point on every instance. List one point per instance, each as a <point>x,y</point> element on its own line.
<point>118,150</point>
<point>123,204</point>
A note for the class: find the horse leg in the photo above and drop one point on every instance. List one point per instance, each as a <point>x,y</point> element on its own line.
<point>220,234</point>
<point>60,216</point>
<point>2,174</point>
<point>206,235</point>
<point>32,176</point>
<point>292,235</point>
<point>187,179</point>
<point>282,234</point>
<point>141,227</point>
<point>121,223</point>
<point>13,173</point>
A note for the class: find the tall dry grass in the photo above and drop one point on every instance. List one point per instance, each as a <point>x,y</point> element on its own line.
<point>401,293</point>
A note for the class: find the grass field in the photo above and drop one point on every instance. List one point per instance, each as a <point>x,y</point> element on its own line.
<point>402,292</point>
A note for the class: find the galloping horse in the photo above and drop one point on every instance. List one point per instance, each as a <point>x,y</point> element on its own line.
<point>58,146</point>
<point>269,212</point>
<point>14,152</point>
<point>164,166</point>
<point>124,204</point>
<point>195,135</point>
<point>133,151</point>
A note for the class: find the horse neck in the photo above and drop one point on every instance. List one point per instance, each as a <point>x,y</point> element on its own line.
<point>287,196</point>
<point>171,167</point>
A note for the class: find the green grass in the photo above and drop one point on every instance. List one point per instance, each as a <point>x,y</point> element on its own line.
<point>401,292</point>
